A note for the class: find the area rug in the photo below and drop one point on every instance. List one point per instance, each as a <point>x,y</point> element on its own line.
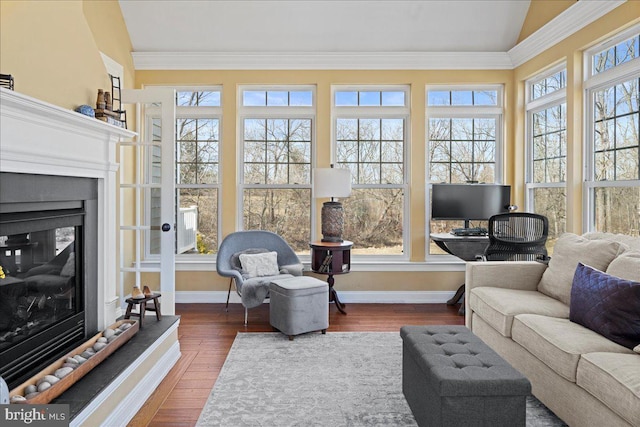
<point>337,379</point>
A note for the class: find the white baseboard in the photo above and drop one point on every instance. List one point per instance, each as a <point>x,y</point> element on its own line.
<point>360,297</point>
<point>130,404</point>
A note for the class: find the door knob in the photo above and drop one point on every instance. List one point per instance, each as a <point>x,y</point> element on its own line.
<point>166,227</point>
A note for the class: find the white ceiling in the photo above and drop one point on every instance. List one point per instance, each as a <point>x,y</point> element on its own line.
<point>327,26</point>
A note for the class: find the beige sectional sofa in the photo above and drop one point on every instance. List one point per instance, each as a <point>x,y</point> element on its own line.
<point>522,310</point>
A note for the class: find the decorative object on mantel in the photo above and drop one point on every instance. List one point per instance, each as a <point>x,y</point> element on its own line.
<point>100,103</point>
<point>117,100</point>
<point>6,81</point>
<point>104,110</point>
<point>52,381</point>
<point>86,110</point>
<point>107,102</point>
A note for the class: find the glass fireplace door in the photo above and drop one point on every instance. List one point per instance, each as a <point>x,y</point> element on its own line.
<point>41,285</point>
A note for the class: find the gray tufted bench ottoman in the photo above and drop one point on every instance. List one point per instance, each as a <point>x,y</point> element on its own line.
<point>450,377</point>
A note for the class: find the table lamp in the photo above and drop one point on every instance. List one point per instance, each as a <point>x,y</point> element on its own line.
<point>331,182</point>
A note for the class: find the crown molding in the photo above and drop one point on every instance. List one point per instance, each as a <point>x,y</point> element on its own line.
<point>578,16</point>
<point>321,61</point>
<point>568,22</point>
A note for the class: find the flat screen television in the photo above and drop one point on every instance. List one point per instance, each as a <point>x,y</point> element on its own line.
<point>469,202</point>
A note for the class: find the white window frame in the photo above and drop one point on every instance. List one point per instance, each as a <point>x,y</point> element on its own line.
<point>463,111</point>
<point>379,112</point>
<point>273,112</point>
<point>592,84</point>
<point>189,261</point>
<point>553,99</point>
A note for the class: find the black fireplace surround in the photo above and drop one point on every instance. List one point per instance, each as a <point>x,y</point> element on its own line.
<point>48,252</point>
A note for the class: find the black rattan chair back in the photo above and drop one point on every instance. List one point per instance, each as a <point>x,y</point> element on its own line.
<point>517,236</point>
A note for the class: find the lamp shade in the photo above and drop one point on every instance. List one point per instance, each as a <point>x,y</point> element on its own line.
<point>331,182</point>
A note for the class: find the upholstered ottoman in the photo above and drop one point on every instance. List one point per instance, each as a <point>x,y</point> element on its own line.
<point>450,377</point>
<point>298,305</point>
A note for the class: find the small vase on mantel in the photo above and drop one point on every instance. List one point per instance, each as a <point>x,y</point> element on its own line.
<point>100,101</point>
<point>107,101</point>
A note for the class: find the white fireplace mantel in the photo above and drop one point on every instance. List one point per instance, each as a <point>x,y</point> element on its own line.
<point>40,138</point>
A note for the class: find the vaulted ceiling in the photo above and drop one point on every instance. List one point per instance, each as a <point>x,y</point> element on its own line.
<point>353,34</point>
<point>324,26</point>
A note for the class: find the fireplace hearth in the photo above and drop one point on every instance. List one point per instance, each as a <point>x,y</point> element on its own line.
<point>48,253</point>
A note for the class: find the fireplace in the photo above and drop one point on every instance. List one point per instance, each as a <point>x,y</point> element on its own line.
<point>62,152</point>
<point>48,252</point>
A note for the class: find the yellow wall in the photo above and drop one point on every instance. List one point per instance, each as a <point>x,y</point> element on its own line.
<point>540,12</point>
<point>52,49</point>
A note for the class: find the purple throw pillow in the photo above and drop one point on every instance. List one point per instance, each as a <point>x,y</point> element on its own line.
<point>607,305</point>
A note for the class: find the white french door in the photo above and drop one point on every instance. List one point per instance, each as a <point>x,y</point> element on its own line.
<point>147,197</point>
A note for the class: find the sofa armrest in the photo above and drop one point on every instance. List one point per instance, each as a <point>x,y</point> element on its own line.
<point>523,275</point>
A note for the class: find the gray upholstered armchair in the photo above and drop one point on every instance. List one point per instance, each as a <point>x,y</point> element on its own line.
<point>254,288</point>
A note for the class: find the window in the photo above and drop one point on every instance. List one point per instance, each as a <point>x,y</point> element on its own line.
<point>547,149</point>
<point>613,122</point>
<point>370,125</point>
<point>197,161</point>
<point>277,129</point>
<point>464,141</point>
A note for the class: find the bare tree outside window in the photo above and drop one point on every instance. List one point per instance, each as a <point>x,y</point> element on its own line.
<point>277,141</point>
<point>197,166</point>
<point>462,143</point>
<point>277,161</point>
<point>373,149</point>
<point>370,142</point>
<point>613,184</point>
<point>617,157</point>
<point>547,150</point>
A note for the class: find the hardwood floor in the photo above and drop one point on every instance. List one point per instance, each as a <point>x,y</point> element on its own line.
<point>207,331</point>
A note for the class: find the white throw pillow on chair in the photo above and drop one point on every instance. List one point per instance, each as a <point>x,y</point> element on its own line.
<point>258,265</point>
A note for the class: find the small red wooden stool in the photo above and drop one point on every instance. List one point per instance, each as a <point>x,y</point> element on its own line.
<point>143,307</point>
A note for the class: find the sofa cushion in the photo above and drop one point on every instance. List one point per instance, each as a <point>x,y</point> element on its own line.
<point>498,306</point>
<point>615,380</point>
<point>607,305</point>
<point>626,266</point>
<point>630,242</point>
<point>558,343</point>
<point>569,250</point>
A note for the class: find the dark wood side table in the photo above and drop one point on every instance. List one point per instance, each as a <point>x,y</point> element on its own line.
<point>331,258</point>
